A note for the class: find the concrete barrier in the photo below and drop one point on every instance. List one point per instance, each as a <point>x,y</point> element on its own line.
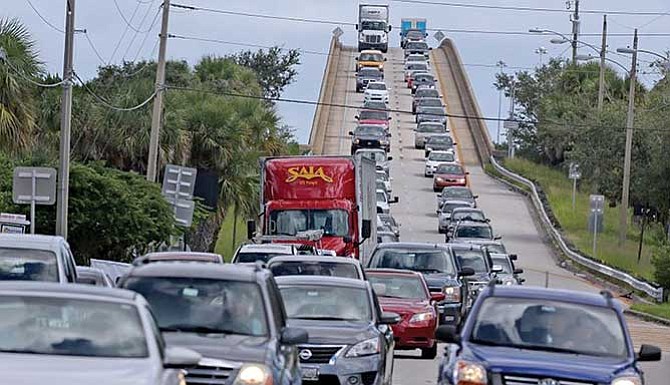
<point>317,136</point>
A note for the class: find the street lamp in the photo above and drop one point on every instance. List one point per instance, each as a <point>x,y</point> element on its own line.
<point>591,57</point>
<point>541,51</point>
<point>502,66</point>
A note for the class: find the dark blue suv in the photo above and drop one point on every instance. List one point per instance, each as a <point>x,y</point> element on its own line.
<point>522,335</point>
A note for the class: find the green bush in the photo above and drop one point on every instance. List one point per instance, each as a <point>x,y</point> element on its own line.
<point>661,262</point>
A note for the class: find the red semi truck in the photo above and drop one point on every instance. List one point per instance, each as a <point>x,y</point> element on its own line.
<point>335,194</point>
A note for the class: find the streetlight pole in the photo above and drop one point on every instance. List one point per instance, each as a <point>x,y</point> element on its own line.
<point>630,118</point>
<point>575,32</point>
<point>157,115</point>
<point>603,57</point>
<point>541,51</point>
<point>65,121</point>
<point>502,65</point>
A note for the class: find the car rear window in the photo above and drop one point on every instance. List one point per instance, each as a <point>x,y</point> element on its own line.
<point>425,261</point>
<point>329,269</point>
<point>28,265</point>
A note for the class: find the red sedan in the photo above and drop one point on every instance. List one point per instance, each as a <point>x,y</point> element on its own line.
<point>449,174</point>
<point>406,293</point>
<point>374,117</point>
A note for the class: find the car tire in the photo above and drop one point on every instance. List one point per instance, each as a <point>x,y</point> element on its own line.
<point>429,353</point>
<point>441,231</point>
<point>436,189</point>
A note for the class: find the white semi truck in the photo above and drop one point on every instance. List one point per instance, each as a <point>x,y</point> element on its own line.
<point>373,27</point>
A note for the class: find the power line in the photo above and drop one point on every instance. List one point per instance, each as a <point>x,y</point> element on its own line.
<point>152,23</point>
<point>107,104</point>
<point>128,23</point>
<point>47,22</point>
<point>529,9</point>
<point>95,50</point>
<point>125,30</point>
<point>343,23</point>
<point>5,59</point>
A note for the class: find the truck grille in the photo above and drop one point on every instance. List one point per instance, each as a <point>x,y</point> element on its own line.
<point>519,380</point>
<point>372,38</point>
<point>208,375</point>
<point>318,354</point>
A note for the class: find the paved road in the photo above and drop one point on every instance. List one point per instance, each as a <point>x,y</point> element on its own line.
<point>510,213</point>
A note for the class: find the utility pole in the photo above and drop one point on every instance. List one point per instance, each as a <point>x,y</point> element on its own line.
<point>575,32</point>
<point>510,133</point>
<point>502,65</point>
<point>603,57</point>
<point>630,119</point>
<point>65,119</point>
<point>157,115</point>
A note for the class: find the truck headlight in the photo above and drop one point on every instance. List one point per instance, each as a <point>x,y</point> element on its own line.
<point>469,373</point>
<point>628,380</point>
<point>364,348</point>
<point>254,374</point>
<point>356,141</point>
<point>422,317</point>
<point>451,293</point>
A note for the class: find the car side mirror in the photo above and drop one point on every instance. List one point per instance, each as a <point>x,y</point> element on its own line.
<point>177,357</point>
<point>351,133</point>
<point>648,353</point>
<point>251,229</point>
<point>384,59</point>
<point>497,238</point>
<point>389,318</point>
<point>448,334</point>
<point>390,118</point>
<point>366,229</point>
<point>390,28</point>
<point>454,143</point>
<point>518,271</point>
<point>488,220</point>
<point>466,272</point>
<point>356,26</point>
<point>395,200</point>
<point>388,135</point>
<point>467,173</point>
<point>389,158</point>
<point>294,336</point>
<point>475,196</point>
<point>358,58</point>
<point>357,117</point>
<point>430,48</point>
<point>437,297</point>
<point>497,269</point>
<point>513,257</point>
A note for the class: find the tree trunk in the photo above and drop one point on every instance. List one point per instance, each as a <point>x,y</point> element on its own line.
<point>235,216</point>
<point>205,235</point>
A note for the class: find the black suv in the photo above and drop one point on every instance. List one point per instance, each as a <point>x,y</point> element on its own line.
<point>366,75</point>
<point>478,259</point>
<point>233,315</point>
<point>439,267</point>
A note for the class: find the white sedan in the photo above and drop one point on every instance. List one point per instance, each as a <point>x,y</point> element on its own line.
<point>436,158</point>
<point>376,91</point>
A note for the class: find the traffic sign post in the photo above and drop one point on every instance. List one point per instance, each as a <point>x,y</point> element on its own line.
<point>596,218</point>
<point>439,36</point>
<point>574,174</point>
<point>337,32</point>
<point>178,187</point>
<point>34,186</point>
<point>510,126</point>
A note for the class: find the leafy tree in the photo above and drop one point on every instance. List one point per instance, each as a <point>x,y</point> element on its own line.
<point>275,70</point>
<point>17,104</point>
<point>661,262</point>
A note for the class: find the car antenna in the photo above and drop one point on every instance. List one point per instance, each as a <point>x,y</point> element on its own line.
<point>608,296</point>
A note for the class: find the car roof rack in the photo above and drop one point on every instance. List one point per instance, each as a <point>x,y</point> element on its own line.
<point>608,297</point>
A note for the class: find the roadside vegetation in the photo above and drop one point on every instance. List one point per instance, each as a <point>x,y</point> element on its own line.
<point>557,105</point>
<point>113,210</point>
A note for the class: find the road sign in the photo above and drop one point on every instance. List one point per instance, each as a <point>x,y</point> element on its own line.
<point>183,211</point>
<point>596,216</point>
<point>34,186</point>
<point>13,223</point>
<point>511,125</point>
<point>179,182</point>
<point>439,35</point>
<point>574,172</point>
<point>337,32</point>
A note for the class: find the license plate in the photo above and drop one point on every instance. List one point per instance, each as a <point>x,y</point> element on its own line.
<point>310,374</point>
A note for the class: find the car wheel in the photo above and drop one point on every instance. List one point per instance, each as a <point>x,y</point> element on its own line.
<point>429,353</point>
<point>440,230</point>
<point>435,189</point>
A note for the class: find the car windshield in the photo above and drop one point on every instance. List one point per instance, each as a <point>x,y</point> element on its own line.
<point>426,261</point>
<point>443,139</point>
<point>427,93</point>
<point>454,192</point>
<point>417,66</point>
<point>71,327</point>
<point>330,269</point>
<point>546,325</point>
<point>381,197</point>
<point>482,232</point>
<point>424,78</point>
<point>369,72</point>
<point>371,57</point>
<point>369,130</point>
<point>415,33</point>
<point>473,215</point>
<point>450,169</point>
<point>28,265</point>
<point>377,86</point>
<point>435,111</point>
<point>449,207</point>
<point>201,305</point>
<point>372,105</point>
<point>396,286</point>
<point>251,257</point>
<point>431,128</point>
<point>417,45</point>
<point>290,222</point>
<point>441,157</point>
<point>373,115</point>
<point>430,102</point>
<point>369,25</point>
<point>416,58</point>
<point>473,259</point>
<point>377,156</point>
<point>326,303</point>
<point>503,262</point>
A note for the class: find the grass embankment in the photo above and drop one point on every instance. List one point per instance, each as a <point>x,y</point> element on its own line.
<point>225,244</point>
<point>558,189</point>
<point>659,310</point>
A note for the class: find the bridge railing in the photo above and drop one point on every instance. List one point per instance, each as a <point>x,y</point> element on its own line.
<point>317,136</point>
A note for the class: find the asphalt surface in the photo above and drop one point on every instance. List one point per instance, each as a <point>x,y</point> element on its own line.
<point>510,212</point>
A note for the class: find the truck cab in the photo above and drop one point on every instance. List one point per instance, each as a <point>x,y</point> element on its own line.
<point>373,27</point>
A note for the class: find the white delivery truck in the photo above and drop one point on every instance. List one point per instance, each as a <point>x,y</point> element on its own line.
<point>373,27</point>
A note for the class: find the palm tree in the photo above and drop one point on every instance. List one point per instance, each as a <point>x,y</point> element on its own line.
<point>17,105</point>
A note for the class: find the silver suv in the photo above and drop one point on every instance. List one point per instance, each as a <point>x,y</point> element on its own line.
<point>26,257</point>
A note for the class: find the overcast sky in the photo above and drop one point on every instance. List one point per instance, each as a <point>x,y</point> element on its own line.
<point>106,28</point>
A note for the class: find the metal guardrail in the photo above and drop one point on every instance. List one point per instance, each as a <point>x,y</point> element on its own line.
<point>625,278</point>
